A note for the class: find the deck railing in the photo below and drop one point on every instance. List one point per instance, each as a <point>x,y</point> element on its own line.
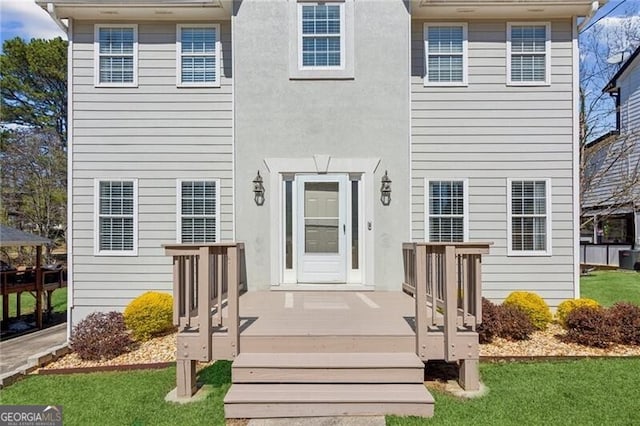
<point>446,281</point>
<point>207,281</point>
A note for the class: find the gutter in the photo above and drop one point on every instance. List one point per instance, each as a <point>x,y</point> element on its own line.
<point>594,8</point>
<point>51,9</point>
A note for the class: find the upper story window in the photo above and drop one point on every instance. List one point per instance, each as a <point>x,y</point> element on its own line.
<point>198,61</point>
<point>529,220</point>
<point>446,47</point>
<point>447,206</point>
<point>116,209</point>
<point>198,214</point>
<point>528,53</point>
<point>321,35</point>
<point>116,55</point>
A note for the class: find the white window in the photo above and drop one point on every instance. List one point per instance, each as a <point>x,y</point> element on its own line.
<point>529,218</point>
<point>198,55</point>
<point>116,55</point>
<point>446,47</point>
<point>321,40</point>
<point>447,211</point>
<point>116,207</point>
<point>198,213</point>
<point>529,53</point>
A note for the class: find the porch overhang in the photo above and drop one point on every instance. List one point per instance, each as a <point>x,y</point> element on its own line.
<point>139,10</point>
<point>508,9</point>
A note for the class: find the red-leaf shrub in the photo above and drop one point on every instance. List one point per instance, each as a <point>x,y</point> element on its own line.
<point>101,336</point>
<point>490,326</point>
<point>515,323</point>
<point>589,326</point>
<point>624,319</point>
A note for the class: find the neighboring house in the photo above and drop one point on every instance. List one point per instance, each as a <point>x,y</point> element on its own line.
<point>175,106</point>
<point>611,205</point>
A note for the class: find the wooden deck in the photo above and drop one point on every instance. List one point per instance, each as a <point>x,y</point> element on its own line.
<point>319,353</point>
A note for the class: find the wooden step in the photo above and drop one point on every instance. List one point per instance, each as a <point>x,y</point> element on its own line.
<point>327,343</point>
<point>319,400</point>
<point>328,368</point>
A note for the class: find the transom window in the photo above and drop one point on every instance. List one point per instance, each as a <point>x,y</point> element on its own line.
<point>446,211</point>
<point>116,217</point>
<point>116,50</point>
<point>529,217</point>
<point>198,211</point>
<point>198,55</point>
<point>446,54</point>
<point>528,48</point>
<point>321,35</point>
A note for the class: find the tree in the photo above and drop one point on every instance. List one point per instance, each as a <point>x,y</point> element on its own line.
<point>603,48</point>
<point>33,83</point>
<point>34,180</point>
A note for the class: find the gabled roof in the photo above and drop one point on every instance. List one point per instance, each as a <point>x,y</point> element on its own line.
<point>613,83</point>
<point>11,237</point>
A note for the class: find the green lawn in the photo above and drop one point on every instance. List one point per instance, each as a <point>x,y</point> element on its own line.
<point>28,302</point>
<point>561,393</point>
<point>609,287</point>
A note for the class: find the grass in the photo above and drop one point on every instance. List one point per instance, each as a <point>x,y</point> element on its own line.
<point>28,302</point>
<point>581,392</point>
<point>609,287</point>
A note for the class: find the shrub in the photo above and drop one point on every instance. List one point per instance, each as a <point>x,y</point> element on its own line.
<point>515,324</point>
<point>490,326</point>
<point>533,305</point>
<point>149,315</point>
<point>508,322</point>
<point>624,319</point>
<point>100,336</point>
<point>589,326</point>
<point>568,306</point>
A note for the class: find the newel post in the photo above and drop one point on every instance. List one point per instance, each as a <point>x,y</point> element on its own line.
<point>420,265</point>
<point>451,303</point>
<point>233,295</point>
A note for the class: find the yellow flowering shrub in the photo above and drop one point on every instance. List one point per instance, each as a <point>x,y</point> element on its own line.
<point>568,306</point>
<point>533,305</point>
<point>149,315</point>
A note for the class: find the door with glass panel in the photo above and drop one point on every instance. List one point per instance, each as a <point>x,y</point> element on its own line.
<point>322,228</point>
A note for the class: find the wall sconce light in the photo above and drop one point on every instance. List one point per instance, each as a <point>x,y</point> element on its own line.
<point>258,190</point>
<point>385,190</point>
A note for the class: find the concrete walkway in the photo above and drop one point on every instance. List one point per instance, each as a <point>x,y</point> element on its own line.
<point>15,352</point>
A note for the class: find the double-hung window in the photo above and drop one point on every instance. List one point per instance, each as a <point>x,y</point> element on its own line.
<point>198,212</point>
<point>447,210</point>
<point>529,218</point>
<point>445,47</point>
<point>116,207</point>
<point>528,53</point>
<point>322,37</point>
<point>116,55</point>
<point>198,55</point>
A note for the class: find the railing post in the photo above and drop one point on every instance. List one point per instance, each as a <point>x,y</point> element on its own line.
<point>233,284</point>
<point>451,303</point>
<point>204,301</point>
<point>420,262</point>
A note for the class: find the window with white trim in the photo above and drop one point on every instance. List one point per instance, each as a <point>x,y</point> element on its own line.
<point>198,61</point>
<point>116,211</point>
<point>198,211</point>
<point>528,53</point>
<point>321,39</point>
<point>447,210</point>
<point>529,217</point>
<point>116,55</point>
<point>445,47</point>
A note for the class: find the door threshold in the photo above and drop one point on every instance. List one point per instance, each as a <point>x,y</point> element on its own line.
<point>321,287</point>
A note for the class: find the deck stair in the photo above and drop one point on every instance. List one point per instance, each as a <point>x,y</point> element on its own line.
<point>327,384</point>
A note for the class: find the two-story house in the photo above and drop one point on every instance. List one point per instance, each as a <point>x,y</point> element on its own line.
<point>322,135</point>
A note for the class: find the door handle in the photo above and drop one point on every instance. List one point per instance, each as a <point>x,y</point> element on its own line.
<point>344,228</point>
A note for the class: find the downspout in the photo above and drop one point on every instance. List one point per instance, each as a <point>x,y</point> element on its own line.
<point>51,9</point>
<point>594,8</point>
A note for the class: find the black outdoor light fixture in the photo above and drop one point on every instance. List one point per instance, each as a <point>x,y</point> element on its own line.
<point>258,190</point>
<point>385,190</point>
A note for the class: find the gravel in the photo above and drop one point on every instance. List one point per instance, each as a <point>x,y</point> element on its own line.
<point>542,343</point>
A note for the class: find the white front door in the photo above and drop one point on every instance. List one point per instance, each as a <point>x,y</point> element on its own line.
<point>322,228</point>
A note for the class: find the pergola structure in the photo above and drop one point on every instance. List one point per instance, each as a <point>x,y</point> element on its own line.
<point>38,281</point>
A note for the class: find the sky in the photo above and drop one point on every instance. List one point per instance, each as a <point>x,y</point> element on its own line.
<point>23,18</point>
